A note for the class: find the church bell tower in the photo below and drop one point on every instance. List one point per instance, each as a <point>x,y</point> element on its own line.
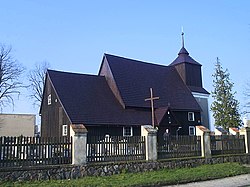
<point>188,68</point>
<point>190,72</point>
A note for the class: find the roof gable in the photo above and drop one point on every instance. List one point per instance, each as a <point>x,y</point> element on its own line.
<point>106,71</point>
<point>88,99</point>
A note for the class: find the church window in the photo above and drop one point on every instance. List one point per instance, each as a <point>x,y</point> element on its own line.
<point>49,99</point>
<point>64,130</point>
<point>127,131</point>
<point>169,119</point>
<point>190,116</point>
<point>191,130</point>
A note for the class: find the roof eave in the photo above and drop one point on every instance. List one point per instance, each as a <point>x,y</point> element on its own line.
<point>40,110</point>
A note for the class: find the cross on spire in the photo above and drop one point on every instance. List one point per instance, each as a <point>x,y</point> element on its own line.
<point>151,99</point>
<point>182,36</point>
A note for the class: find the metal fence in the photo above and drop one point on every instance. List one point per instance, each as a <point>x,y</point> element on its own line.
<point>115,148</point>
<point>227,144</point>
<point>179,146</point>
<point>30,151</point>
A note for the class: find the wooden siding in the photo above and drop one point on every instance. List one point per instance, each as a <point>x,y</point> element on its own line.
<point>193,75</point>
<point>182,121</point>
<point>52,116</point>
<point>106,71</point>
<point>190,74</point>
<point>182,71</point>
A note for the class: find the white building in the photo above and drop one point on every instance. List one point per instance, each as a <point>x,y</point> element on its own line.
<point>17,124</point>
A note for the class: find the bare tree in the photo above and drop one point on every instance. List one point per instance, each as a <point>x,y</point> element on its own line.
<point>10,73</point>
<point>37,81</point>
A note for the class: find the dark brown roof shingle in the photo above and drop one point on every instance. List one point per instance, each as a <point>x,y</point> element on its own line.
<point>88,99</point>
<point>135,78</point>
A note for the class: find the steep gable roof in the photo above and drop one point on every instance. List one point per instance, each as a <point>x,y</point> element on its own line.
<point>88,99</point>
<point>134,79</point>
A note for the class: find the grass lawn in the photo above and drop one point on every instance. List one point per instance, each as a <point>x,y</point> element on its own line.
<point>157,178</point>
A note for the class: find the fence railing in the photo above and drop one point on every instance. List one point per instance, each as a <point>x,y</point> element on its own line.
<point>115,148</point>
<point>179,146</point>
<point>227,144</point>
<point>30,151</point>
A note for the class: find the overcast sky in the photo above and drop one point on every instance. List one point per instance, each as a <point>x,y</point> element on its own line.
<point>73,35</point>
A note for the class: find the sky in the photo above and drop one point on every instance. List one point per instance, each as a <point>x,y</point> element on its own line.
<point>73,36</point>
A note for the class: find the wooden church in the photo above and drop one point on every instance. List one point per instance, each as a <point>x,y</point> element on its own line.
<point>113,102</point>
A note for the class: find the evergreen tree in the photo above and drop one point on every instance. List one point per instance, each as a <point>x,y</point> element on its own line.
<point>225,107</point>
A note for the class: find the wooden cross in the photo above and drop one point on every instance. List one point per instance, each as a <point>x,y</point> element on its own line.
<point>151,99</point>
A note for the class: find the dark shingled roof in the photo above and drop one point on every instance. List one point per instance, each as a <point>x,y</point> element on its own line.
<point>134,79</point>
<point>221,129</point>
<point>88,99</point>
<point>183,56</point>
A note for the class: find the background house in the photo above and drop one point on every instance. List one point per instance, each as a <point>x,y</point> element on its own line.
<point>234,131</point>
<point>220,131</point>
<point>113,102</point>
<point>17,124</point>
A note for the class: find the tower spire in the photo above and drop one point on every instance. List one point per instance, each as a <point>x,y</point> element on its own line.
<point>182,36</point>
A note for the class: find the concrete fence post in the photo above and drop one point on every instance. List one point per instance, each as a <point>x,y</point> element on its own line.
<point>205,141</point>
<point>79,147</point>
<point>151,141</point>
<point>246,132</point>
